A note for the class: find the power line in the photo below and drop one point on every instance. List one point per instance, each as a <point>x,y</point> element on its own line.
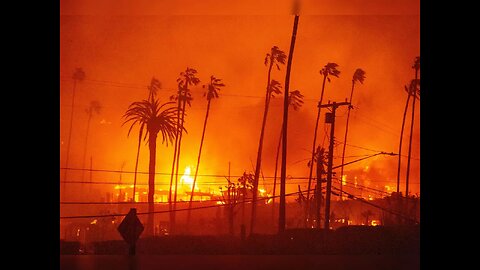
<point>176,210</point>
<point>377,206</point>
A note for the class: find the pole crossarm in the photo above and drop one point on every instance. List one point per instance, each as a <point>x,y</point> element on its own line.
<point>334,104</point>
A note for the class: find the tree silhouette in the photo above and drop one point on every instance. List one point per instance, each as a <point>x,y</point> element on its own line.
<point>78,76</point>
<point>183,97</point>
<point>275,57</point>
<point>283,170</point>
<point>212,92</point>
<point>153,119</point>
<point>246,183</point>
<point>320,160</point>
<point>152,92</point>
<point>234,192</point>
<point>330,69</point>
<point>93,108</point>
<point>295,100</point>
<point>358,76</point>
<point>416,67</point>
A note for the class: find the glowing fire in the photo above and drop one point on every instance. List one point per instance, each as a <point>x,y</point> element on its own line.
<point>186,179</point>
<point>344,180</point>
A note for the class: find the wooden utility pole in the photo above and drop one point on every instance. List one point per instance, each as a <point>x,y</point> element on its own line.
<point>330,118</point>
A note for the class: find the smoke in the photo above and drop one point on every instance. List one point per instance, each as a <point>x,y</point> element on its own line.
<point>120,54</point>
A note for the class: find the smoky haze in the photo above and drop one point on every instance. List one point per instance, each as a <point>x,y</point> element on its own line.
<point>122,49</point>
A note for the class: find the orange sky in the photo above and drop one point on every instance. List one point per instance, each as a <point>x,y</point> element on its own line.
<point>121,47</point>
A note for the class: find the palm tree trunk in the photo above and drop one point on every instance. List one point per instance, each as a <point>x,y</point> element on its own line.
<point>178,165</point>
<point>414,94</point>
<point>136,164</point>
<point>259,153</point>
<point>170,206</point>
<point>345,142</point>
<point>307,211</point>
<point>283,174</point>
<point>401,139</point>
<point>69,140</point>
<point>198,163</point>
<point>152,145</point>
<point>85,145</point>
<point>275,174</point>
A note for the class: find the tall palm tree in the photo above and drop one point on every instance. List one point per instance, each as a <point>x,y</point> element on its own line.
<point>295,99</point>
<point>212,92</point>
<point>409,91</point>
<point>153,119</point>
<point>415,66</point>
<point>283,171</point>
<point>358,76</point>
<point>152,92</point>
<point>275,57</point>
<point>330,69</point>
<point>94,108</point>
<point>78,76</point>
<point>187,78</point>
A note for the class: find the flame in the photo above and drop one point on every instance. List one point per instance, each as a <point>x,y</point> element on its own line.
<point>186,179</point>
<point>366,168</point>
<point>344,180</point>
<point>94,222</point>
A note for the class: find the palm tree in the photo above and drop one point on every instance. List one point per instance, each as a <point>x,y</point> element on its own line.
<point>330,69</point>
<point>153,119</point>
<point>283,172</point>
<point>78,75</point>
<point>358,76</point>
<point>295,99</point>
<point>212,92</point>
<point>183,97</point>
<point>152,92</point>
<point>415,66</point>
<point>275,57</point>
<point>94,108</point>
<point>409,90</point>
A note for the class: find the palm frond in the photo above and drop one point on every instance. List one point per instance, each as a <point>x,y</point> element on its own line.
<point>213,87</point>
<point>274,88</point>
<point>359,75</point>
<point>295,99</point>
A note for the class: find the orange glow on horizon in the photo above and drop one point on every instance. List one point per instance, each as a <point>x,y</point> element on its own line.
<point>140,47</point>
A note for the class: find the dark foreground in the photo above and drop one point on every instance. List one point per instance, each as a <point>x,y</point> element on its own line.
<point>244,262</point>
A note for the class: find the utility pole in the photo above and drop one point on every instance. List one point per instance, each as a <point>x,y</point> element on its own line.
<point>330,119</point>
